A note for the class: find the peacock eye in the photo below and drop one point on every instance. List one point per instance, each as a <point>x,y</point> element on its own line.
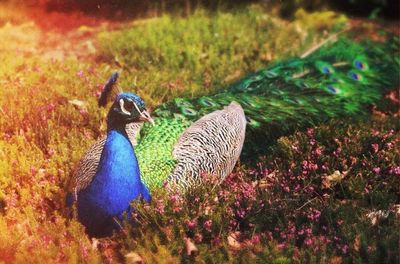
<point>129,105</point>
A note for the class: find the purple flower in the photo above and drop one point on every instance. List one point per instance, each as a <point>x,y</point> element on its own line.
<point>80,74</point>
<point>207,225</point>
<point>191,224</point>
<point>160,207</point>
<point>376,170</point>
<point>375,147</point>
<point>281,246</point>
<point>308,241</point>
<point>318,152</point>
<point>395,170</point>
<point>344,248</point>
<point>256,239</point>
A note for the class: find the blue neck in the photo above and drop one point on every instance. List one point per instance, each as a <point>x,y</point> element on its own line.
<point>118,161</point>
<point>116,184</point>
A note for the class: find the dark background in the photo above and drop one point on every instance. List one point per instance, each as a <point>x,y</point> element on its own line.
<point>124,9</point>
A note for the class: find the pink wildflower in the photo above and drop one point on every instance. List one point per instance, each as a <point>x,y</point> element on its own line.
<point>198,238</point>
<point>207,225</point>
<point>395,170</point>
<point>318,152</point>
<point>256,239</point>
<point>50,107</point>
<point>191,224</point>
<point>216,241</point>
<point>160,207</point>
<point>281,246</point>
<point>376,170</point>
<point>83,111</point>
<point>375,147</point>
<point>344,248</point>
<point>308,241</point>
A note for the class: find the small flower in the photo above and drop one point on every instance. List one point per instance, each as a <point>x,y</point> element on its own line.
<point>51,152</point>
<point>256,239</point>
<point>318,152</point>
<point>375,147</point>
<point>50,107</point>
<point>160,207</point>
<point>33,171</point>
<point>177,209</point>
<point>80,74</point>
<point>198,238</point>
<point>376,170</point>
<point>281,246</point>
<point>207,225</point>
<point>308,241</point>
<point>345,248</point>
<point>395,170</point>
<point>313,167</point>
<point>216,241</point>
<point>191,224</point>
<point>83,111</point>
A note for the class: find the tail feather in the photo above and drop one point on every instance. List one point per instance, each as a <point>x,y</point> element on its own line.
<point>336,80</point>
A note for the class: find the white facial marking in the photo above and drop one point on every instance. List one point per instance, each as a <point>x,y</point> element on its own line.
<point>121,104</point>
<point>137,108</point>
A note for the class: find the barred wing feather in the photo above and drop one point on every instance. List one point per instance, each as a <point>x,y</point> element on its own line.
<point>211,145</point>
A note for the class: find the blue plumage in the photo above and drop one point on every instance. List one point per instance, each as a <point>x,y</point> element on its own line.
<point>116,184</point>
<point>107,89</point>
<point>103,201</point>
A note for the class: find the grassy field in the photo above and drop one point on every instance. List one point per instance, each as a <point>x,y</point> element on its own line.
<point>51,77</point>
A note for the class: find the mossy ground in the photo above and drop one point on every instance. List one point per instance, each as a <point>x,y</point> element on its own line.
<point>50,77</point>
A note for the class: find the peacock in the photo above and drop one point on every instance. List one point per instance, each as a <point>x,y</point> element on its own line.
<point>108,178</point>
<point>103,200</point>
<point>204,135</point>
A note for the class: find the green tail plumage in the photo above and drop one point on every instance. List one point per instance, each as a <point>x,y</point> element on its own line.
<point>336,80</point>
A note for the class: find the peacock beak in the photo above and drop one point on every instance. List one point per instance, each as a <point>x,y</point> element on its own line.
<point>145,116</point>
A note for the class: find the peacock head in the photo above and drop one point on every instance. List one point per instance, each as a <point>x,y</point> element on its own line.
<point>127,108</point>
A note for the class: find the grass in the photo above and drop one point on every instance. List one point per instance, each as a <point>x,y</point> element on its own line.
<point>44,133</point>
<point>196,55</point>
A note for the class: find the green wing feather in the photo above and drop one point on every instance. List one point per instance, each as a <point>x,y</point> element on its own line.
<point>336,80</point>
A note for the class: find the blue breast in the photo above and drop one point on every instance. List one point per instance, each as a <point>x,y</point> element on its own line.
<point>116,184</point>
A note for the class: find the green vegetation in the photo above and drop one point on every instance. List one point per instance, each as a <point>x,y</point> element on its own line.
<point>49,116</point>
<point>196,55</point>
